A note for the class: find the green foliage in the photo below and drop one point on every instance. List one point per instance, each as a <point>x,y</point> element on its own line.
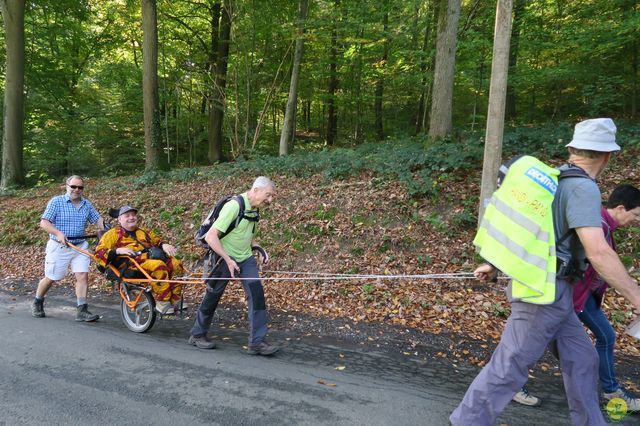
<point>436,221</point>
<point>197,215</point>
<point>423,260</point>
<point>173,218</point>
<point>627,260</point>
<point>603,95</point>
<point>368,288</point>
<point>326,213</point>
<point>357,251</point>
<point>385,244</point>
<point>313,230</point>
<point>422,185</point>
<point>149,177</point>
<point>361,219</point>
<point>618,316</point>
<point>353,270</point>
<point>20,227</point>
<point>407,160</point>
<point>84,97</point>
<point>547,141</point>
<point>185,174</point>
<point>465,218</point>
<point>344,292</point>
<point>500,311</point>
<point>628,245</point>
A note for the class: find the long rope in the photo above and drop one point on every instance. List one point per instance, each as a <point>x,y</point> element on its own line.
<point>318,276</point>
<point>330,276</point>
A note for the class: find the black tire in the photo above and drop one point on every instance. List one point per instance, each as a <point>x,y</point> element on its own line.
<point>143,316</point>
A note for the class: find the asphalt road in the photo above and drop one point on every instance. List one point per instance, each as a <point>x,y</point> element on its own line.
<point>57,371</point>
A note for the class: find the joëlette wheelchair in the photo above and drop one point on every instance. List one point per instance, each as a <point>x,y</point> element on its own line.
<point>137,306</point>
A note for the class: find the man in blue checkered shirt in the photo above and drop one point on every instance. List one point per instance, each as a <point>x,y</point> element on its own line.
<point>65,219</point>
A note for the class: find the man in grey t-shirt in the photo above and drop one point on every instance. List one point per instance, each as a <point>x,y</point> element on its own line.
<point>530,327</point>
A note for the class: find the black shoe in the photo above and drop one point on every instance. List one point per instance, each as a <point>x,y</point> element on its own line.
<point>262,348</point>
<point>83,314</point>
<point>202,342</point>
<point>37,308</point>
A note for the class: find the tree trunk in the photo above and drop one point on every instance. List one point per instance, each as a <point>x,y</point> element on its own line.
<point>513,56</point>
<point>476,94</point>
<point>634,84</point>
<point>332,118</point>
<point>12,168</point>
<point>290,111</point>
<point>357,131</point>
<point>216,111</point>
<point>377,107</point>
<point>154,158</point>
<point>497,100</point>
<point>209,68</point>
<point>634,66</point>
<point>441,122</point>
<point>426,65</point>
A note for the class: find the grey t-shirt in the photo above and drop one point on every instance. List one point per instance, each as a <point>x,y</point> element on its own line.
<point>576,204</point>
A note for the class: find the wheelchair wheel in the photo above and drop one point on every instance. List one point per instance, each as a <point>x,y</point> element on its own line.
<point>141,318</point>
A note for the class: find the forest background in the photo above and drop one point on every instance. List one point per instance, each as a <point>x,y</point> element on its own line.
<point>379,169</point>
<point>366,74</point>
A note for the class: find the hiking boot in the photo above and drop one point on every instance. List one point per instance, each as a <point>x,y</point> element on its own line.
<point>523,397</point>
<point>633,403</point>
<point>201,342</point>
<point>262,348</point>
<point>83,314</point>
<point>37,308</point>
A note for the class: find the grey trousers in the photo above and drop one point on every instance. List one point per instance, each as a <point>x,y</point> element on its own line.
<point>255,300</point>
<point>529,330</point>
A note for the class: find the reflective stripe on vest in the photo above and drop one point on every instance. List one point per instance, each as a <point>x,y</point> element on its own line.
<point>516,233</point>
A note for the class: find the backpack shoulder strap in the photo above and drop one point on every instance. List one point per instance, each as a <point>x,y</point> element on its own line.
<point>240,200</point>
<point>572,172</point>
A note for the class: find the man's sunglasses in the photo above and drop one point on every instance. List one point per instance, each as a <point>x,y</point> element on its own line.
<point>80,187</point>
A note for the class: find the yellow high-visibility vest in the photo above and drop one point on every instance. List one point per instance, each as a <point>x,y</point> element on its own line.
<point>516,232</point>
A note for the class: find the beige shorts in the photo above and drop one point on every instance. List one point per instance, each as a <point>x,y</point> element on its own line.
<point>59,258</point>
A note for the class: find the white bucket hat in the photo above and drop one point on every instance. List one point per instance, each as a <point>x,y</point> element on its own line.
<point>596,134</point>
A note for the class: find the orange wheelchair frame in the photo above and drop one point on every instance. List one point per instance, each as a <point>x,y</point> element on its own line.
<point>137,305</point>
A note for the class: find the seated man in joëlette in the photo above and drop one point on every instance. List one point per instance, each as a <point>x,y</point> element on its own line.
<point>154,256</point>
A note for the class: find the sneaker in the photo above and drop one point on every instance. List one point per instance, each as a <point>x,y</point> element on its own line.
<point>633,403</point>
<point>37,308</point>
<point>523,397</point>
<point>202,342</point>
<point>262,348</point>
<point>83,314</point>
<point>164,307</point>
